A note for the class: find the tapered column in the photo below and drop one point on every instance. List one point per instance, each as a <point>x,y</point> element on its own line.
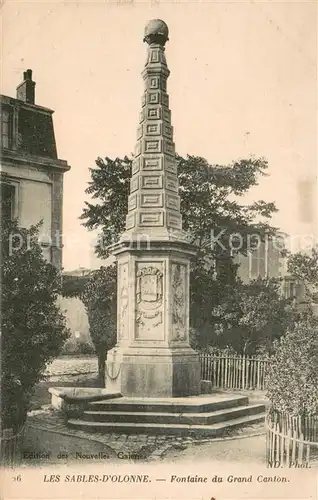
<point>153,356</point>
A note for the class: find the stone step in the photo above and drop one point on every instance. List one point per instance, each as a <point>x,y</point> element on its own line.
<point>173,418</point>
<point>192,404</point>
<point>171,429</point>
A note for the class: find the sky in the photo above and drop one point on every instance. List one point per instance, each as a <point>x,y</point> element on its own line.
<point>243,81</point>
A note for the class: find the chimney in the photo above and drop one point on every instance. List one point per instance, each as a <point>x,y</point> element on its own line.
<point>26,89</point>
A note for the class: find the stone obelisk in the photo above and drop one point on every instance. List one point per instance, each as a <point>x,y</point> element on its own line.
<point>152,357</point>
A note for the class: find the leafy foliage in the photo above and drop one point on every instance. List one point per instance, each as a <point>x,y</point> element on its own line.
<point>248,318</point>
<point>75,347</point>
<point>304,268</point>
<point>100,300</point>
<point>261,314</point>
<point>207,194</point>
<point>33,328</point>
<point>73,286</point>
<point>110,186</point>
<point>292,378</point>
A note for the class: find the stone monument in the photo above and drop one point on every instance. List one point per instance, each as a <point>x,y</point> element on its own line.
<point>152,374</point>
<point>153,357</point>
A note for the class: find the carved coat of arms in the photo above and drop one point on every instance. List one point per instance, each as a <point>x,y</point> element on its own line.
<point>149,286</point>
<point>149,293</point>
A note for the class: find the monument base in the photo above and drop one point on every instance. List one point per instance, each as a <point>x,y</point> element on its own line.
<point>208,415</point>
<point>154,372</point>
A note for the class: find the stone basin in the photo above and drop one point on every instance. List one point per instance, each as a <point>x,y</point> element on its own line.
<point>76,398</point>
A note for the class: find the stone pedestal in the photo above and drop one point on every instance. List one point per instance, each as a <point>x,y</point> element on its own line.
<point>153,356</point>
<point>154,373</point>
<point>161,373</point>
<point>113,370</point>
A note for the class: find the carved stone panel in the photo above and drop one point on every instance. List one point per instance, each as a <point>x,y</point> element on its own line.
<point>166,114</point>
<point>178,301</point>
<point>152,163</point>
<point>174,220</point>
<point>153,113</point>
<point>123,301</point>
<point>142,116</point>
<point>169,147</point>
<point>139,132</point>
<point>170,166</point>
<point>130,221</point>
<point>167,131</point>
<point>154,55</point>
<point>149,181</point>
<point>154,82</point>
<point>153,128</point>
<point>149,301</point>
<point>138,148</point>
<point>152,146</point>
<point>151,200</point>
<point>148,219</point>
<point>132,202</point>
<point>172,183</point>
<point>153,97</point>
<point>134,183</point>
<point>135,165</point>
<point>173,201</point>
<point>165,99</point>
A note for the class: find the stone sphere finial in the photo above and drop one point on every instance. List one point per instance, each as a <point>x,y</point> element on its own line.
<point>156,31</point>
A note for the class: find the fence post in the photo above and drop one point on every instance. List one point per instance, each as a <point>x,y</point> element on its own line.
<point>286,440</point>
<point>234,371</point>
<point>243,372</point>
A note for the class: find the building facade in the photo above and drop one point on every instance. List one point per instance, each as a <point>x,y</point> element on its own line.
<point>265,261</point>
<point>31,172</point>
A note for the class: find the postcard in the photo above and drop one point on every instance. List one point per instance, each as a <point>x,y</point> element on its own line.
<point>159,250</point>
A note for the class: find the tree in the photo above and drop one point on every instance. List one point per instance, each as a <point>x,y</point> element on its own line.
<point>248,318</point>
<point>292,377</point>
<point>32,325</point>
<point>100,300</point>
<point>207,196</point>
<point>260,316</point>
<point>212,215</point>
<point>304,268</point>
<point>73,286</point>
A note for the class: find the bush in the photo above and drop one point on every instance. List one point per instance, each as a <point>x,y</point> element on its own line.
<point>246,317</point>
<point>33,327</point>
<point>73,347</point>
<point>100,300</point>
<point>292,378</point>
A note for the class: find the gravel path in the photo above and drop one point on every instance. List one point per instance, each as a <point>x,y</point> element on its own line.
<point>72,365</point>
<point>246,450</point>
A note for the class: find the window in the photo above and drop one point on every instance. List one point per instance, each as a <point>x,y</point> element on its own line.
<point>290,289</point>
<point>8,198</point>
<point>6,127</point>
<point>257,264</point>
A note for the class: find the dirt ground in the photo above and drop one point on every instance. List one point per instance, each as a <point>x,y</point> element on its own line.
<point>246,450</point>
